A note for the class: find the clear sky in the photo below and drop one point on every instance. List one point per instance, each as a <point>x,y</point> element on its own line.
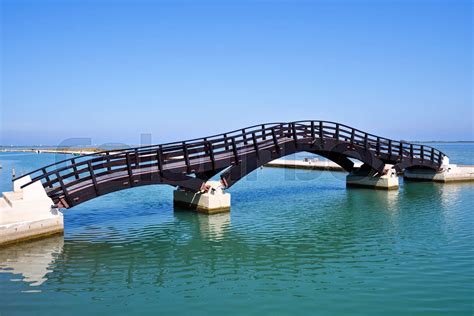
<point>112,70</point>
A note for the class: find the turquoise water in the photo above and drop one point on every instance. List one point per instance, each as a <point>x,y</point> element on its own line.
<point>295,243</point>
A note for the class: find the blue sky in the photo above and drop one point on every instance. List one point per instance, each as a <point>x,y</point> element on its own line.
<point>112,70</point>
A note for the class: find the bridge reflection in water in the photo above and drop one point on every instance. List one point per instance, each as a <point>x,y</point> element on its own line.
<point>316,237</point>
<point>209,227</point>
<point>32,260</point>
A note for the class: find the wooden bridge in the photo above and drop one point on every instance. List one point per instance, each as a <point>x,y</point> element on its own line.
<point>189,164</point>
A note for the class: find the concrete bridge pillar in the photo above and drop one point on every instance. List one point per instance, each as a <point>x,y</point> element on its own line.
<point>447,173</point>
<point>367,178</point>
<point>213,200</point>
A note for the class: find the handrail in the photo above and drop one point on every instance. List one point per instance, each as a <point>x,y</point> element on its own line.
<point>123,150</point>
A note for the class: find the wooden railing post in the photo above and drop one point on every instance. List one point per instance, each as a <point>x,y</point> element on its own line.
<point>244,135</point>
<point>94,180</point>
<point>275,141</point>
<point>107,158</point>
<point>225,142</point>
<point>48,180</point>
<point>136,158</point>
<point>352,138</point>
<point>64,189</point>
<point>422,154</point>
<point>377,147</point>
<point>74,168</point>
<point>400,152</point>
<point>129,168</point>
<point>390,149</point>
<point>321,131</point>
<point>293,131</point>
<point>186,157</point>
<point>264,135</point>
<point>159,159</point>
<point>336,136</point>
<point>234,150</point>
<point>312,131</point>
<point>206,151</point>
<point>255,145</point>
<point>211,155</point>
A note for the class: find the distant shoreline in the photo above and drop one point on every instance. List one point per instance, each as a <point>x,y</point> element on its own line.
<point>97,149</point>
<point>40,150</point>
<point>442,141</point>
<point>93,150</point>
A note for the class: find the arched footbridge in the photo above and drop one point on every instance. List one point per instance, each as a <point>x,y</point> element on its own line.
<point>189,164</point>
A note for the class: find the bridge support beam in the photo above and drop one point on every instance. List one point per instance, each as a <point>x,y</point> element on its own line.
<point>213,201</point>
<point>367,178</point>
<point>28,214</point>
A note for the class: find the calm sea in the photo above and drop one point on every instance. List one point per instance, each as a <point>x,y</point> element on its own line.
<point>295,243</point>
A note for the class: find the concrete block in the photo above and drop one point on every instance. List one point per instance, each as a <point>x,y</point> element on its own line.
<point>449,173</point>
<point>215,200</point>
<point>387,181</point>
<point>28,214</point>
<point>31,229</point>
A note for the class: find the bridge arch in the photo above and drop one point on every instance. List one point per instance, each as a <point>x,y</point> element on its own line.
<point>339,152</point>
<point>189,164</point>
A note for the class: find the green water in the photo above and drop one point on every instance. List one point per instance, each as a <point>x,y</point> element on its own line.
<point>295,243</point>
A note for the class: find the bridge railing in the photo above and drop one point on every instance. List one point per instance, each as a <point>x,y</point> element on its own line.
<point>69,172</point>
<point>393,149</point>
<point>60,176</point>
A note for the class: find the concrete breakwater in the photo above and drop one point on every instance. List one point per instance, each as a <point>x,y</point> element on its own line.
<point>308,163</point>
<point>53,150</point>
<point>452,173</point>
<point>28,213</point>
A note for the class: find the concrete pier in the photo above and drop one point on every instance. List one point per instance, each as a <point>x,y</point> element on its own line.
<point>213,201</point>
<point>449,173</point>
<point>28,213</point>
<point>308,163</point>
<point>367,179</point>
